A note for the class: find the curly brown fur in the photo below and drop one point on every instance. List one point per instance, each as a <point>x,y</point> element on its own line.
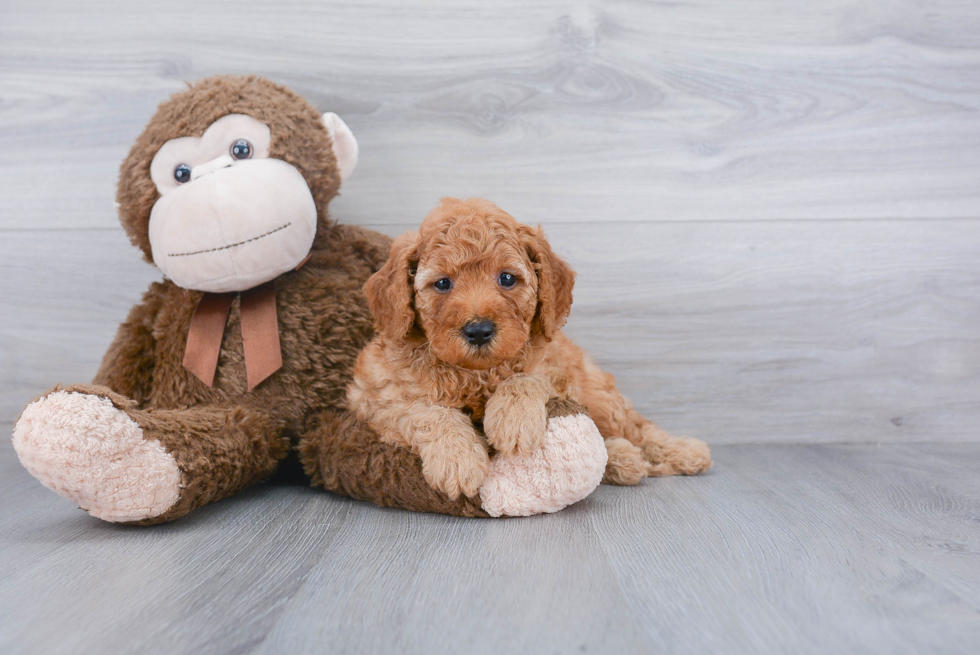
<point>626,465</point>
<point>422,385</point>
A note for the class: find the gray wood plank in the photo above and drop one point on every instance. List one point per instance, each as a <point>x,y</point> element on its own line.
<point>802,549</point>
<point>747,332</point>
<point>446,585</point>
<point>214,582</point>
<point>780,548</point>
<point>583,111</point>
<point>62,297</point>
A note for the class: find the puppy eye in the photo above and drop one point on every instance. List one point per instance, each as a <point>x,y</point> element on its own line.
<point>507,280</point>
<point>443,285</point>
<point>241,149</point>
<point>182,173</point>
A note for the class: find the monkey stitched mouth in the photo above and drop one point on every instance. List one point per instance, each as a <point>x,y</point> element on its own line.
<point>232,245</point>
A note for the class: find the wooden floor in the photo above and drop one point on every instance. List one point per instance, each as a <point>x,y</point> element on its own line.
<point>774,211</point>
<point>780,549</point>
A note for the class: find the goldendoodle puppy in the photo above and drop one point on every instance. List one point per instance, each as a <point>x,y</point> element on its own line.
<point>468,312</point>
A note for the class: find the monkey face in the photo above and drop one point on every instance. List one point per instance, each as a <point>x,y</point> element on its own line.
<point>229,217</point>
<point>232,176</point>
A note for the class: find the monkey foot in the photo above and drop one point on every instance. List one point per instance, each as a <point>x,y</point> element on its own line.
<point>566,468</point>
<point>84,448</point>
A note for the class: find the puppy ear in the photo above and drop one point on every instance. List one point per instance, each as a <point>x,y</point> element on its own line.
<point>555,282</point>
<point>389,291</point>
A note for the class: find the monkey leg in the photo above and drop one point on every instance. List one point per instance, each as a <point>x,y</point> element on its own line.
<point>126,465</point>
<point>343,455</point>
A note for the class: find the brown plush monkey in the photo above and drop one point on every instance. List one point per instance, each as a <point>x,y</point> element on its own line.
<point>204,390</point>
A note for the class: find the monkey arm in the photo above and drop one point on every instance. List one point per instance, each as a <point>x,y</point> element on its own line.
<point>344,455</point>
<point>127,367</point>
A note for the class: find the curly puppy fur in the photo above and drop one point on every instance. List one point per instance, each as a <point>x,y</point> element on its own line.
<point>423,385</point>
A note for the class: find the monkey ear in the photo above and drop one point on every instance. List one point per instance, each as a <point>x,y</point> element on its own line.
<point>555,281</point>
<point>389,291</point>
<point>345,147</point>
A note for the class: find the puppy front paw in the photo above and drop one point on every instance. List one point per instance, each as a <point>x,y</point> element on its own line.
<point>454,465</point>
<point>515,426</point>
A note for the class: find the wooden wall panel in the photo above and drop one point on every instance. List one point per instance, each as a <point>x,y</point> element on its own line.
<point>813,331</point>
<point>588,112</point>
<point>774,206</point>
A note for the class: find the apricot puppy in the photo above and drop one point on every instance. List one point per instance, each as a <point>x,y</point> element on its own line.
<point>468,351</point>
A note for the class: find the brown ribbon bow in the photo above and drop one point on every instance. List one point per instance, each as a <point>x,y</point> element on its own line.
<point>260,334</point>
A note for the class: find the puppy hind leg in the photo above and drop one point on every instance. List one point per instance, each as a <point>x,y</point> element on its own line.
<point>670,455</point>
<point>614,415</point>
<point>626,465</point>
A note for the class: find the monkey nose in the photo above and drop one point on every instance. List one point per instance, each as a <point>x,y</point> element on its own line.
<point>224,161</point>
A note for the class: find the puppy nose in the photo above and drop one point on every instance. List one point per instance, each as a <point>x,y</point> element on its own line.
<point>478,332</point>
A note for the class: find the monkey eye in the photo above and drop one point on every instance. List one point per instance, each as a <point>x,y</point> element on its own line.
<point>241,149</point>
<point>443,285</point>
<point>182,173</point>
<point>507,280</point>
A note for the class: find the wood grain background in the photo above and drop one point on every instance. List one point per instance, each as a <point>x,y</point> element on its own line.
<point>774,207</point>
<point>774,210</point>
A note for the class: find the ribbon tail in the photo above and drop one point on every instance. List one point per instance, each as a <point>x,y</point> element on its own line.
<point>260,333</point>
<point>204,335</point>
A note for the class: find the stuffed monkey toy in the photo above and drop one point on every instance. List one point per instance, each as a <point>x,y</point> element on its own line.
<point>243,352</point>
